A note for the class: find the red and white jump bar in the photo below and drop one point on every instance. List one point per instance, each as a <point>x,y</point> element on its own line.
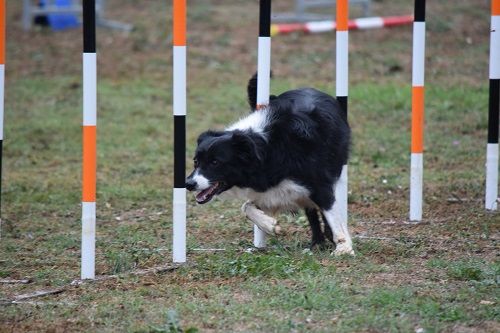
<point>324,26</point>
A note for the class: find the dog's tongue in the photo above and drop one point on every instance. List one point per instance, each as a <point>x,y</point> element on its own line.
<point>205,195</point>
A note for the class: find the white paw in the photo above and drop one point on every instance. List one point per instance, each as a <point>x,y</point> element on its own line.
<point>343,248</point>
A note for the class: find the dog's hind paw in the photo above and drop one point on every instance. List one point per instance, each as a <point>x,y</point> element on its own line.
<point>343,249</point>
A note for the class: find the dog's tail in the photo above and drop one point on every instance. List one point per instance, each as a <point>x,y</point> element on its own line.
<point>252,91</point>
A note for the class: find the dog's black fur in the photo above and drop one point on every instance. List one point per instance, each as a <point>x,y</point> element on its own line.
<point>306,139</point>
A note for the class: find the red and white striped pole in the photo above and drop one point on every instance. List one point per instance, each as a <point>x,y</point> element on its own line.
<point>417,110</point>
<point>179,110</point>
<point>89,141</point>
<point>341,86</point>
<point>355,24</point>
<point>263,81</point>
<point>491,196</point>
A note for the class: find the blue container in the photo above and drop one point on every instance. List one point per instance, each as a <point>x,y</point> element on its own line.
<point>61,21</point>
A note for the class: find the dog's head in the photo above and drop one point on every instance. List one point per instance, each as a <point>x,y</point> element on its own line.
<point>221,162</point>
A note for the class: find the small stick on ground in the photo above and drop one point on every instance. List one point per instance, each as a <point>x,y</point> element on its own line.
<point>23,297</point>
<point>373,237</point>
<point>26,298</point>
<point>265,222</point>
<point>13,281</point>
<point>38,293</point>
<point>154,270</point>
<point>44,303</point>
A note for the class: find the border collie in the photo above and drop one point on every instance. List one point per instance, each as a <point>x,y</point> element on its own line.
<point>283,157</point>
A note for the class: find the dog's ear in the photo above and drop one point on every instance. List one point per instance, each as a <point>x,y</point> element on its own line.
<point>247,148</point>
<point>209,134</point>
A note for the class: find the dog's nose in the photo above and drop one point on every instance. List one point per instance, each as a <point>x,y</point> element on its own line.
<point>190,184</point>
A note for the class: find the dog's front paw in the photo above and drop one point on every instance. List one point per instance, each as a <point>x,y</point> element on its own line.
<point>266,223</point>
<point>342,249</point>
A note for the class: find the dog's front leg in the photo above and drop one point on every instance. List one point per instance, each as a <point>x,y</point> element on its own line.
<point>265,222</point>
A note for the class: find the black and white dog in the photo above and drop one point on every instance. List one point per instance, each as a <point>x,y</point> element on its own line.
<point>286,156</point>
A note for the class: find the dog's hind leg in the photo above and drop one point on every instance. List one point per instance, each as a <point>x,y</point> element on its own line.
<point>324,198</point>
<point>338,225</point>
<point>327,230</point>
<point>317,235</point>
<point>336,221</point>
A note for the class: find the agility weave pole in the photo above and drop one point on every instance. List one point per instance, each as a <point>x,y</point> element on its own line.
<point>263,82</point>
<point>2,92</point>
<point>417,113</point>
<point>491,195</point>
<point>341,86</point>
<point>179,113</point>
<point>356,24</point>
<point>89,155</point>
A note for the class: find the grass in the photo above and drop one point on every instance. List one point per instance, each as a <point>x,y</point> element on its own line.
<point>282,289</point>
<point>439,276</point>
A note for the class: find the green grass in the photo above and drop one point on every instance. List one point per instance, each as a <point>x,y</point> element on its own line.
<point>472,270</point>
<point>441,275</point>
<point>281,289</point>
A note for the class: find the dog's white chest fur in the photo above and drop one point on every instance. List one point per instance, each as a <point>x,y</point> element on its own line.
<point>286,196</point>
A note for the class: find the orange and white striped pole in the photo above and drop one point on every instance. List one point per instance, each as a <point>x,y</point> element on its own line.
<point>341,86</point>
<point>2,88</point>
<point>89,141</point>
<point>417,111</point>
<point>179,110</point>
<point>491,195</point>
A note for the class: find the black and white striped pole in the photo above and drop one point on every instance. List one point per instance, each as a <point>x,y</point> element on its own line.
<point>263,82</point>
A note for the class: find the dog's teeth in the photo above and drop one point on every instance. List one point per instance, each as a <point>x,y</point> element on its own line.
<point>207,193</point>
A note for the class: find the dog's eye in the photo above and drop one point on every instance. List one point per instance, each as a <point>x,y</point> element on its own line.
<point>195,161</point>
<point>214,162</point>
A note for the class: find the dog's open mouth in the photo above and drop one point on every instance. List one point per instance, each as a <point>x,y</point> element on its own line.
<point>207,194</point>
